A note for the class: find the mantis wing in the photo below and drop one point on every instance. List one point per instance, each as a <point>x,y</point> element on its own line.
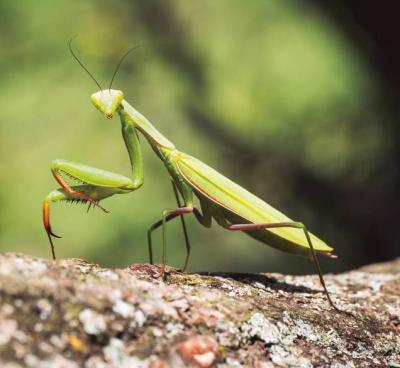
<point>240,203</point>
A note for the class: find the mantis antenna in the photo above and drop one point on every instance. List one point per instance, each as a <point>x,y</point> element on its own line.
<point>80,62</point>
<point>120,62</point>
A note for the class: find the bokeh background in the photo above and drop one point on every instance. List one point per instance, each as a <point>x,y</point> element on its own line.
<point>298,101</point>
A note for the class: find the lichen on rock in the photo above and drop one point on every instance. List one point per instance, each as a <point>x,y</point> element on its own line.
<point>78,314</point>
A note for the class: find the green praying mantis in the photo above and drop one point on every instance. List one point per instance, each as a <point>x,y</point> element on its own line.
<point>219,198</point>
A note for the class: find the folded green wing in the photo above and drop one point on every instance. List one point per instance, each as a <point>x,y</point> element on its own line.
<point>239,201</point>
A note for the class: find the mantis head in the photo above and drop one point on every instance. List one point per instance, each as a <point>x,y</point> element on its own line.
<point>107,101</point>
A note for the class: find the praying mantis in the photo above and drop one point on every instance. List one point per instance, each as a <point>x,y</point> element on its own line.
<point>219,198</point>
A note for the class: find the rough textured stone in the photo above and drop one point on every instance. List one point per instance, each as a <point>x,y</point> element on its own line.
<point>78,314</point>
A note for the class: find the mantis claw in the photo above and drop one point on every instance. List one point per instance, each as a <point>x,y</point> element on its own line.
<point>92,203</point>
<point>52,234</point>
<point>47,226</point>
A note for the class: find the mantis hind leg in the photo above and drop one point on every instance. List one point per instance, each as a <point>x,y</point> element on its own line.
<point>297,225</point>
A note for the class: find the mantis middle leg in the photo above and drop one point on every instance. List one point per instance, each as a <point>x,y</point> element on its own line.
<point>165,214</point>
<point>185,233</point>
<point>157,224</point>
<point>203,217</point>
<point>153,227</point>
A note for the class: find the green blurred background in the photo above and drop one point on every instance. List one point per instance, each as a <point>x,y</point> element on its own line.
<point>291,99</point>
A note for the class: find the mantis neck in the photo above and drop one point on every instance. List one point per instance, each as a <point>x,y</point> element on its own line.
<point>154,137</point>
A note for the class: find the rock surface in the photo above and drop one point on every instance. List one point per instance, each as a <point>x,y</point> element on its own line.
<point>78,314</point>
